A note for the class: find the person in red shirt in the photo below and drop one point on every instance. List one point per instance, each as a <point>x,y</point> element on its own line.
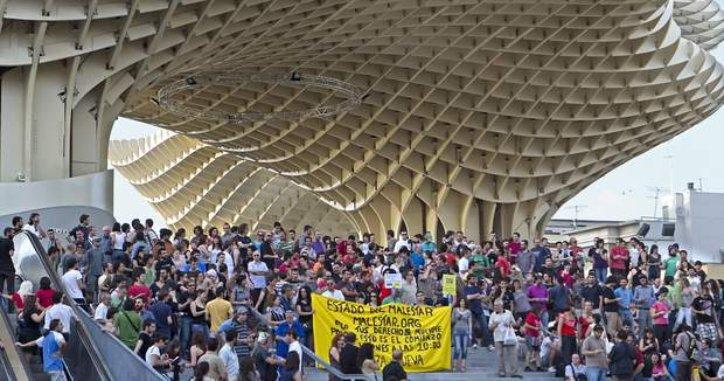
<point>566,276</point>
<point>568,332</point>
<point>514,247</point>
<point>586,320</point>
<point>45,293</point>
<point>350,257</point>
<point>533,338</point>
<point>619,257</point>
<point>450,258</point>
<point>139,289</point>
<point>342,245</point>
<point>503,266</point>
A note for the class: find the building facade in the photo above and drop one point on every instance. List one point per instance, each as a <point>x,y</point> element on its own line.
<point>479,116</point>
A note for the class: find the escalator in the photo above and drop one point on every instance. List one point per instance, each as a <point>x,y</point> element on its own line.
<point>92,354</point>
<point>12,364</point>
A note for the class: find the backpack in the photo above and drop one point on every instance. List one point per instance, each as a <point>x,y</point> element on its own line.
<point>692,345</point>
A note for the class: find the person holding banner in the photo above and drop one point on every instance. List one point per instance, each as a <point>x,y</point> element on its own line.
<point>502,323</point>
<point>366,360</point>
<point>349,354</point>
<point>334,353</point>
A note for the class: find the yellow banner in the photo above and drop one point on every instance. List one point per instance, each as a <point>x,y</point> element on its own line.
<point>422,333</point>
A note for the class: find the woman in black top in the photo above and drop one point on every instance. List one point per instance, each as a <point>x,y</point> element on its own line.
<point>290,370</point>
<point>145,338</point>
<point>653,260</point>
<point>30,321</point>
<point>304,309</point>
<point>649,344</point>
<point>198,314</point>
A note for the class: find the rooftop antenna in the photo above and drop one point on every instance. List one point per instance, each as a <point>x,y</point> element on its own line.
<point>657,195</point>
<point>670,159</point>
<point>576,209</point>
<point>701,184</point>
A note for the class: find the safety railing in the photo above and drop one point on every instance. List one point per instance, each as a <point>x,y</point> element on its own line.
<point>82,350</point>
<point>308,352</point>
<point>11,354</point>
<point>21,371</point>
<point>116,361</point>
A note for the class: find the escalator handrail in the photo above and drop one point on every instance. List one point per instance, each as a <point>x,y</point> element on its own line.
<point>121,346</point>
<point>6,371</point>
<point>325,365</point>
<point>13,372</point>
<point>93,350</point>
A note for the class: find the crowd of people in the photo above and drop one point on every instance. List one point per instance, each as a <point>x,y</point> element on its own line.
<point>236,305</point>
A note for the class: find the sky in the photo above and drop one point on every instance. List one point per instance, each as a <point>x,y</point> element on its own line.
<point>625,193</point>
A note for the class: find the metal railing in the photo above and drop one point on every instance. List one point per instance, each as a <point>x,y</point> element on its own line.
<point>7,370</point>
<point>79,355</point>
<point>24,370</point>
<point>308,352</point>
<point>116,361</point>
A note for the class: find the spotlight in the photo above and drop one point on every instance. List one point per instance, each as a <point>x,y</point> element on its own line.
<point>296,77</point>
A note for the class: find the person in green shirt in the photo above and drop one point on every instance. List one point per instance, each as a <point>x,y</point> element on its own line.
<point>429,244</point>
<point>149,275</point>
<point>671,263</point>
<point>479,263</point>
<point>128,324</point>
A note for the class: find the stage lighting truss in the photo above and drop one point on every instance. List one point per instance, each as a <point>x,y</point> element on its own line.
<point>169,98</point>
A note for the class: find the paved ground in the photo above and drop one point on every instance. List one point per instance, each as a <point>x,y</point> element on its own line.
<point>482,365</point>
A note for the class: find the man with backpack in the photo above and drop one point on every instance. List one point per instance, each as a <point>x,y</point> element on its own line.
<point>684,346</point>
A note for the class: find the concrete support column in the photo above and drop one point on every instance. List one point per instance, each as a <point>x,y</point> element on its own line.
<point>46,139</point>
<point>90,133</point>
<point>32,131</point>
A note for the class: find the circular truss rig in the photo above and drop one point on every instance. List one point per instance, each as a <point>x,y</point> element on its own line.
<point>167,100</point>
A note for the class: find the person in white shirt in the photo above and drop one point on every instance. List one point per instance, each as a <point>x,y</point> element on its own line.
<point>73,281</point>
<point>576,370</point>
<point>53,344</point>
<point>228,355</point>
<point>694,280</point>
<point>258,271</point>
<point>101,313</point>
<point>226,258</point>
<point>502,322</point>
<point>330,291</point>
<point>308,250</point>
<point>464,263</point>
<point>294,345</point>
<point>153,354</point>
<point>149,232</point>
<point>408,289</point>
<point>58,311</point>
<point>403,241</point>
<point>33,226</point>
